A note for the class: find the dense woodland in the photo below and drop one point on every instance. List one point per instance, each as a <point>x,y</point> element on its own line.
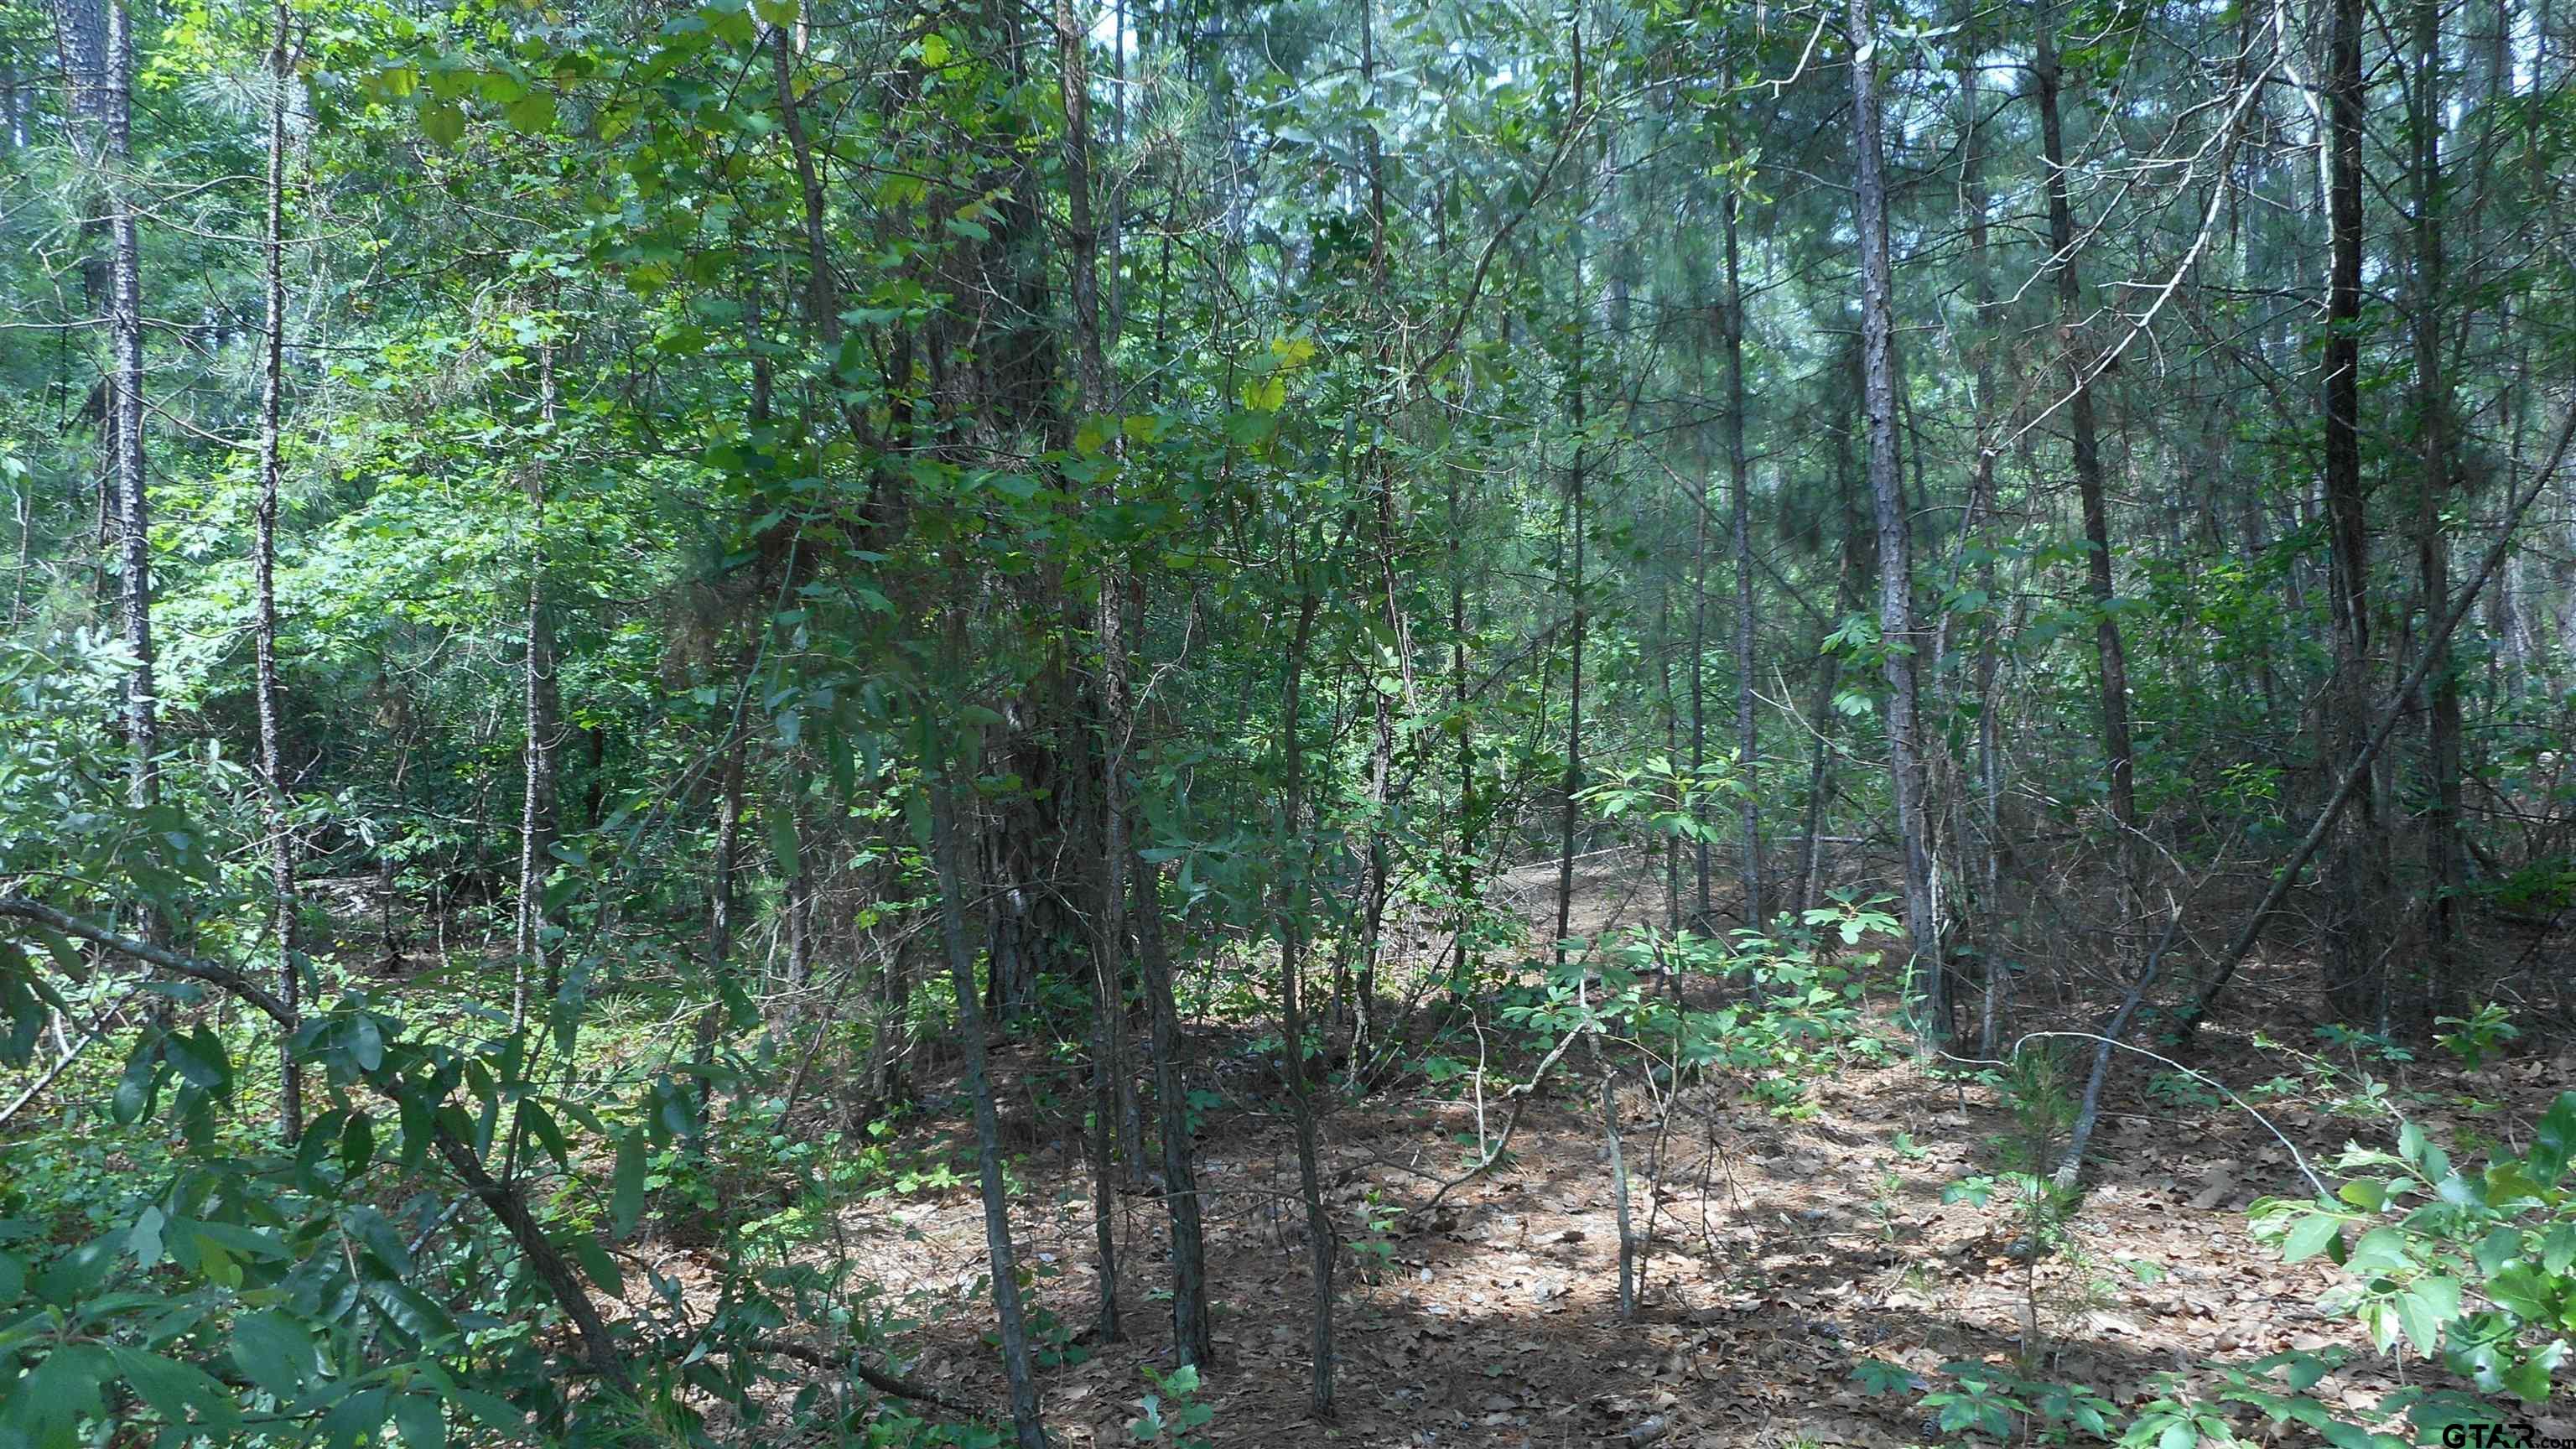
<point>1293,721</point>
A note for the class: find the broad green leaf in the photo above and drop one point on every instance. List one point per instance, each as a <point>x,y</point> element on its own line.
<point>626,1193</point>
<point>179,1392</point>
<point>2310,1236</point>
<point>2553,1141</point>
<point>273,1351</point>
<point>422,1421</point>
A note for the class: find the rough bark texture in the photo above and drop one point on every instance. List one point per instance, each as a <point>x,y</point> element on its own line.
<point>1011,1322</point>
<point>1748,744</point>
<point>1929,986</point>
<point>272,388</point>
<point>2357,866</point>
<point>1320,1238</point>
<point>2084,437</point>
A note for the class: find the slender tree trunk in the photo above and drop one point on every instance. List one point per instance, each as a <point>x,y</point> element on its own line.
<point>1701,903</point>
<point>1821,714</point>
<point>1010,1321</point>
<point>272,403</point>
<point>1320,1244</point>
<point>1748,744</point>
<point>1464,883</point>
<point>2433,425</point>
<point>1929,986</point>
<point>1982,508</point>
<point>1574,581</point>
<point>537,705</point>
<point>1108,1063</point>
<point>2113,657</point>
<point>722,897</point>
<point>1382,704</point>
<point>2358,864</point>
<point>1193,1334</point>
<point>125,325</point>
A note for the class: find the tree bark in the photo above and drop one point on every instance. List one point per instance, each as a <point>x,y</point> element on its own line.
<point>2358,862</point>
<point>1291,894</point>
<point>1193,1334</point>
<point>1573,784</point>
<point>1929,986</point>
<point>2433,410</point>
<point>272,402</point>
<point>538,708</point>
<point>2117,752</point>
<point>1748,745</point>
<point>1011,1323</point>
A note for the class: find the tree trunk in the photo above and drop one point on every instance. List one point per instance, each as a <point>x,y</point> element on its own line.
<point>1010,1322</point>
<point>1574,581</point>
<point>538,706</point>
<point>1193,1334</point>
<point>2358,862</point>
<point>1320,1245</point>
<point>2116,750</point>
<point>1981,510</point>
<point>272,402</point>
<point>2433,409</point>
<point>1109,933</point>
<point>1748,745</point>
<point>1929,986</point>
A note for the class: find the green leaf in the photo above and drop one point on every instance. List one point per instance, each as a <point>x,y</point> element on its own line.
<point>200,1059</point>
<point>413,1313</point>
<point>532,114</point>
<point>2528,1381</point>
<point>366,1042</point>
<point>176,1391</point>
<point>626,1193</point>
<point>422,1421</point>
<point>2553,1141</point>
<point>542,1126</point>
<point>2380,1250</point>
<point>273,1351</point>
<point>442,123</point>
<point>2310,1236</point>
<point>495,1414</point>
<point>357,1144</point>
<point>2426,1309</point>
<point>597,1263</point>
<point>2524,1293</point>
<point>62,1392</point>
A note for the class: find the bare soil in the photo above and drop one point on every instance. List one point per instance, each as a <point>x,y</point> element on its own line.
<point>1782,1252</point>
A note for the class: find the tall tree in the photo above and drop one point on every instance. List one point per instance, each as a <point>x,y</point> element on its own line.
<point>1929,988</point>
<point>272,402</point>
<point>2357,867</point>
<point>2072,328</point>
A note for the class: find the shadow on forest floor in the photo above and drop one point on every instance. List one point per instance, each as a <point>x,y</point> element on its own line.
<point>1783,1252</point>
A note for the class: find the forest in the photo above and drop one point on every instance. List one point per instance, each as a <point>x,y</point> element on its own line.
<point>1287,722</point>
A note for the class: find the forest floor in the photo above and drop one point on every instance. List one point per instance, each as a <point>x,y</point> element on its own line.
<point>1784,1249</point>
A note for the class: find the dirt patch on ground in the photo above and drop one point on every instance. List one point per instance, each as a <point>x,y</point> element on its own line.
<point>1783,1249</point>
